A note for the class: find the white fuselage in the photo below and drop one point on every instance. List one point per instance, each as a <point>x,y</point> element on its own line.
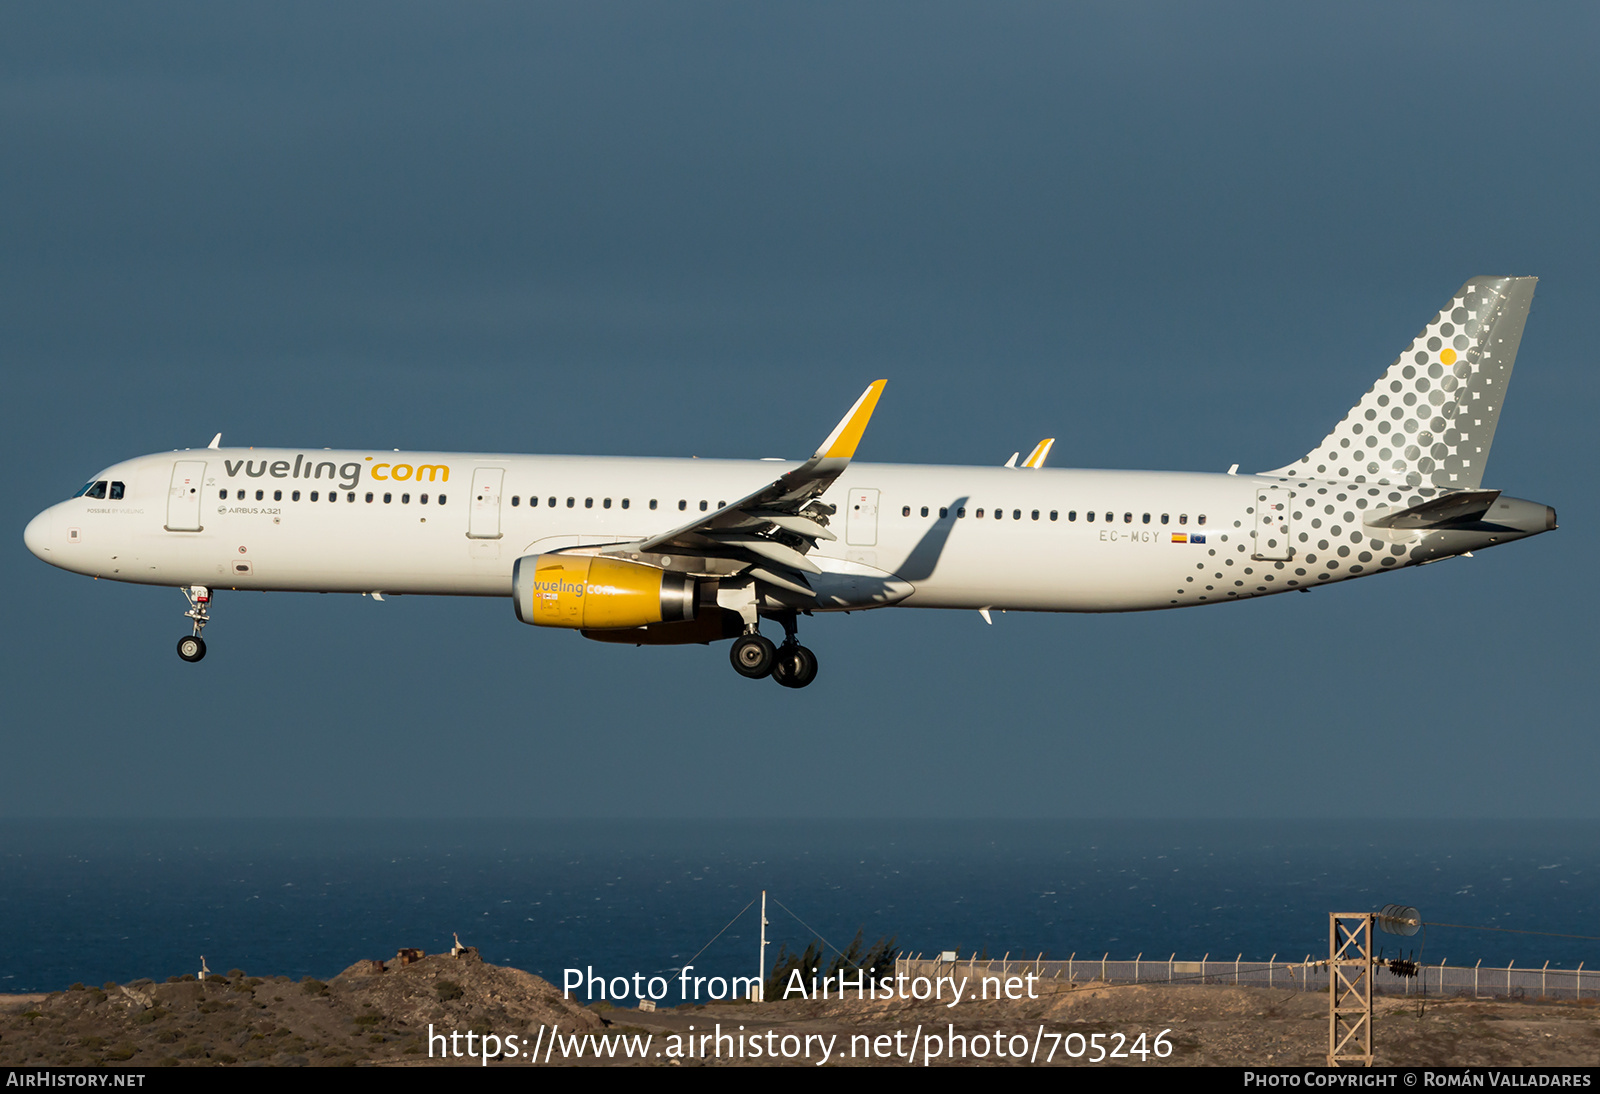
<point>1045,540</point>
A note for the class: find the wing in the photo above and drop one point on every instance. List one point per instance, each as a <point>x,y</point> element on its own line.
<point>771,531</point>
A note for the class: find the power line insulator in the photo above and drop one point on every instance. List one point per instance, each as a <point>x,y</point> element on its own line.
<point>1403,968</point>
<point>1400,919</point>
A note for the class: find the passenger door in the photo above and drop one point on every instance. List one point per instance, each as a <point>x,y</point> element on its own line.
<point>183,496</point>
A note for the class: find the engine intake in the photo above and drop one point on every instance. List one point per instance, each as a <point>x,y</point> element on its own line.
<point>591,592</point>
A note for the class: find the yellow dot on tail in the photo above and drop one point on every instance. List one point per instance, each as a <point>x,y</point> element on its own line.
<point>1448,356</point>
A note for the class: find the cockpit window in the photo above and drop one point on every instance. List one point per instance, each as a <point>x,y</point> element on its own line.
<point>95,490</point>
<point>117,490</point>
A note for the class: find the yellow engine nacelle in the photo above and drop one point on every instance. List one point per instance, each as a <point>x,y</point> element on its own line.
<point>589,592</point>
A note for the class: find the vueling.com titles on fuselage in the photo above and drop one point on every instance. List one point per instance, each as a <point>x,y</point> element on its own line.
<point>349,474</point>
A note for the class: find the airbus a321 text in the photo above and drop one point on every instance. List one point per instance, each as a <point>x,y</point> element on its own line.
<point>658,551</point>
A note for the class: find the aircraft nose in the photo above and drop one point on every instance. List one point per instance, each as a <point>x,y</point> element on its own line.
<point>37,534</point>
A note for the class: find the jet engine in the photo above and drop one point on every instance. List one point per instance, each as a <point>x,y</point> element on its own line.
<point>591,592</point>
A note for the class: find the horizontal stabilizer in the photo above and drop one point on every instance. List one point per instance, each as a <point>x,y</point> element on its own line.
<point>1463,505</point>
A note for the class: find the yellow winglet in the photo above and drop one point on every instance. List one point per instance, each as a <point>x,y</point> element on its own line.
<point>841,443</point>
<point>1036,458</point>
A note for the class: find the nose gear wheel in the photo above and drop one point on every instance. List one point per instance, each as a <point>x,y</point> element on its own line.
<point>192,647</point>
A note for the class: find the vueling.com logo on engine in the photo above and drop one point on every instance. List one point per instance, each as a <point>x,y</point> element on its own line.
<point>557,586</point>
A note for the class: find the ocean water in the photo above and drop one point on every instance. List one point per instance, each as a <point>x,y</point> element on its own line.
<point>94,901</point>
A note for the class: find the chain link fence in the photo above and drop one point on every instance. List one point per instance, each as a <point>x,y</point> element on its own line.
<point>988,977</point>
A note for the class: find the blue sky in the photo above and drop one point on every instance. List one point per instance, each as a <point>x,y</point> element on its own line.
<point>1170,236</point>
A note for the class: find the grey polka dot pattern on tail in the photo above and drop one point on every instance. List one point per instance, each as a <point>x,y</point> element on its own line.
<point>1435,410</point>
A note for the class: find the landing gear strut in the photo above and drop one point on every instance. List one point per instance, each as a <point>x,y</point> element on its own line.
<point>193,647</point>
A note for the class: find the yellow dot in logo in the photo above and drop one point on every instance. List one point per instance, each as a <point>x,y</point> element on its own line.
<point>1448,356</point>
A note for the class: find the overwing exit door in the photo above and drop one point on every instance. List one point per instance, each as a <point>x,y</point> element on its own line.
<point>483,520</point>
<point>861,521</point>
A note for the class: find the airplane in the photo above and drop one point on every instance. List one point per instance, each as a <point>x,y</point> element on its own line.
<point>667,551</point>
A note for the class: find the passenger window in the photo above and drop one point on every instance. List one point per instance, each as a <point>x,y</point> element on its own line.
<point>924,510</point>
<point>1127,518</point>
<point>704,505</point>
<point>588,503</point>
<point>722,505</point>
<point>961,512</point>
<point>571,502</point>
<point>943,512</point>
<point>551,503</point>
<point>369,497</point>
<point>240,498</point>
<point>405,499</point>
<point>1202,518</point>
<point>682,504</point>
<point>1110,517</point>
<point>1183,518</point>
<point>351,496</point>
<point>979,514</point>
<point>1054,513</point>
<point>999,514</point>
<point>905,510</point>
<point>442,499</point>
<point>1072,514</point>
<point>1016,514</point>
<point>606,504</point>
<point>1163,518</point>
<point>116,491</point>
<point>533,502</point>
<point>388,498</point>
<point>1147,518</point>
<point>652,503</point>
<point>313,495</point>
<point>515,501</point>
<point>260,494</point>
<point>624,503</point>
<point>277,495</point>
<point>422,499</point>
<point>1036,514</point>
<point>295,496</point>
<point>223,495</point>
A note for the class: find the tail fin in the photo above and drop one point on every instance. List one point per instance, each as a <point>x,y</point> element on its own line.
<point>1431,418</point>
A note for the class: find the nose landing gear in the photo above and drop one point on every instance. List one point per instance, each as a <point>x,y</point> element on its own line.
<point>791,664</point>
<point>193,647</point>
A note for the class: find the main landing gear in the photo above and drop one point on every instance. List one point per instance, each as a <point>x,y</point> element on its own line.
<point>191,647</point>
<point>790,664</point>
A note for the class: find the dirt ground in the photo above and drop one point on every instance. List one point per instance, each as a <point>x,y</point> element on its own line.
<point>366,1017</point>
